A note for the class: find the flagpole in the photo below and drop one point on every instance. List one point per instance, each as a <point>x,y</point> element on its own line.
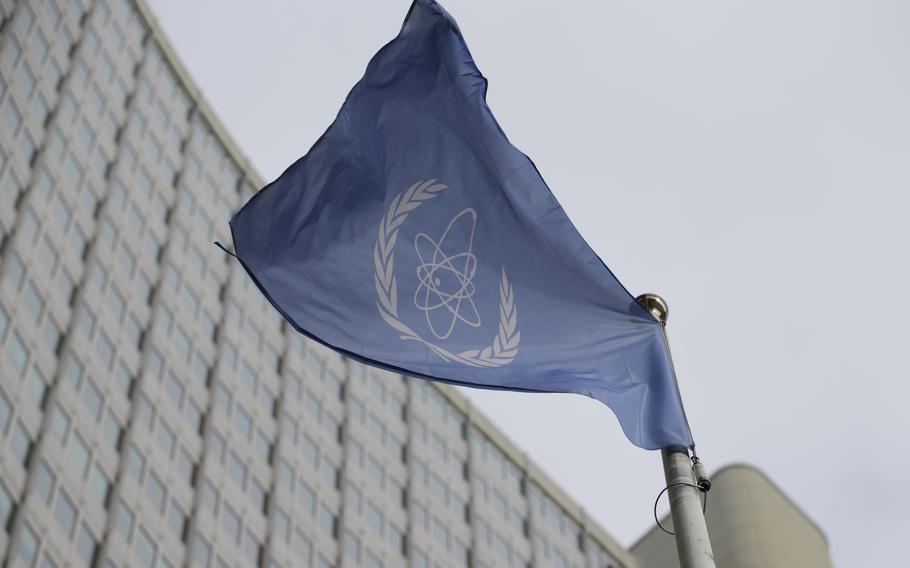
<point>692,542</point>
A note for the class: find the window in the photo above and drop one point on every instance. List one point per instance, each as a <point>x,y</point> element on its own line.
<point>216,446</point>
<point>439,488</point>
<point>182,341</point>
<point>419,471</point>
<point>105,349</point>
<point>145,413</point>
<point>248,377</point>
<point>112,428</point>
<point>236,468</point>
<point>351,546</point>
<point>243,422</point>
<point>289,426</point>
<point>293,387</point>
<point>65,286</point>
<point>374,517</point>
<point>266,401</point>
<point>25,79</point>
<point>209,498</point>
<point>396,538</point>
<point>419,558</point>
<point>100,485</point>
<point>28,545</point>
<point>6,506</point>
<point>10,113</point>
<point>202,551</point>
<point>397,491</point>
<point>281,527</point>
<point>60,422</point>
<point>32,301</point>
<point>78,455</point>
<point>258,496</point>
<point>145,549</point>
<point>166,438</point>
<point>440,533</point>
<point>421,517</point>
<point>5,410</point>
<point>326,519</point>
<point>355,409</point>
<point>352,497</point>
<point>230,522</point>
<point>222,398</point>
<point>396,448</point>
<point>201,369</point>
<point>194,416</point>
<point>26,145</point>
<point>127,259</point>
<point>65,513</point>
<point>354,452</point>
<point>92,399</point>
<point>86,546</point>
<point>51,332</point>
<point>135,463</point>
<point>77,240</point>
<point>252,548</point>
<point>190,301</point>
<point>115,303</point>
<point>377,429</point>
<point>285,475</point>
<point>17,354</point>
<point>301,547</point>
<point>305,496</point>
<point>263,446</point>
<point>15,272</point>
<point>20,443</point>
<point>440,448</point>
<point>375,471</point>
<point>86,322</point>
<point>44,483</point>
<point>419,429</point>
<point>329,473</point>
<point>39,46</point>
<point>459,507</point>
<point>332,428</point>
<point>176,518</point>
<point>156,492</point>
<point>134,331</point>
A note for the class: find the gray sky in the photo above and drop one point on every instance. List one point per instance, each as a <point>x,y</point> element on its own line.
<point>749,161</point>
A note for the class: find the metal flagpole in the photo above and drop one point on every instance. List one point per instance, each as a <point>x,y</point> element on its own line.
<point>685,478</point>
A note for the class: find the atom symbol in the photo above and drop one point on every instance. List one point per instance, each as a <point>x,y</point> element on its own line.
<point>447,280</point>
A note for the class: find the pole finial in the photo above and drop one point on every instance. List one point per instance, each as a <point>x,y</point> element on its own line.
<point>656,305</point>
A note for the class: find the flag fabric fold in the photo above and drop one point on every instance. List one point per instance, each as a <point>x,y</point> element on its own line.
<point>413,236</point>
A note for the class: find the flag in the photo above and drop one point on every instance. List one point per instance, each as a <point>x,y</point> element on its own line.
<point>414,237</point>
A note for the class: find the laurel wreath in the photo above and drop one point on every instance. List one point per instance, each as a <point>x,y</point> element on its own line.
<point>504,347</point>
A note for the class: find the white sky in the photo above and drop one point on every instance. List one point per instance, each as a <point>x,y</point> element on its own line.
<point>749,161</point>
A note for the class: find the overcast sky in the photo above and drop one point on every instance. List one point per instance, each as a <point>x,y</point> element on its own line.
<point>749,161</point>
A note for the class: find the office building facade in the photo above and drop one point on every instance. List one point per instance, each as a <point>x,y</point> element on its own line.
<point>154,409</point>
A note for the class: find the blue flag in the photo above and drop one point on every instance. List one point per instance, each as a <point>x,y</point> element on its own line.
<point>413,236</point>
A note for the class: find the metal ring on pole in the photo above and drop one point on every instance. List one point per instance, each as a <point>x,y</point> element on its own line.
<point>704,505</point>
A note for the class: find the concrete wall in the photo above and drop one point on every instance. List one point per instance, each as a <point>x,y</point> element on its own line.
<point>752,525</point>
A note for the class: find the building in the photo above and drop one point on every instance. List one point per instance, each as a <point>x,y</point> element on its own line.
<point>154,410</point>
<point>752,524</point>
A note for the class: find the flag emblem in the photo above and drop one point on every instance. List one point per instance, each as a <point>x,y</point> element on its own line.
<point>445,287</point>
<point>446,278</point>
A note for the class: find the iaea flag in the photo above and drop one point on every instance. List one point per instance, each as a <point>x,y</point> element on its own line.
<point>415,237</point>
